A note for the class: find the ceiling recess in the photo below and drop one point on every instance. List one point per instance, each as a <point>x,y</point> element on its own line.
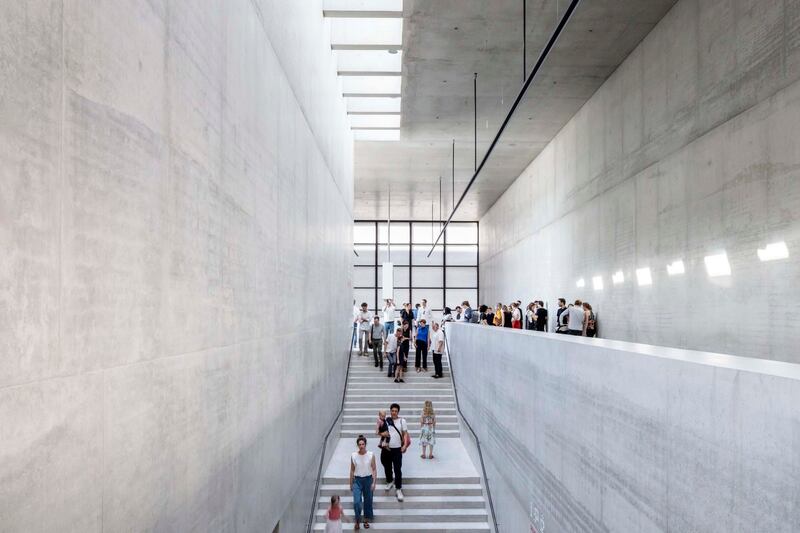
<point>367,41</point>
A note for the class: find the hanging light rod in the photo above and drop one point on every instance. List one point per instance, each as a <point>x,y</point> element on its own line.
<point>361,14</point>
<point>542,56</point>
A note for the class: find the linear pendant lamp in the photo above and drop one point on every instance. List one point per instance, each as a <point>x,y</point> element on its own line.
<point>542,56</point>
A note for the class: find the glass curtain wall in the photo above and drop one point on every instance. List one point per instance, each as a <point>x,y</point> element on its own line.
<point>446,278</point>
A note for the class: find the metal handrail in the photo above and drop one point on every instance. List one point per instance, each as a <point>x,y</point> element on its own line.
<point>475,435</point>
<point>310,524</point>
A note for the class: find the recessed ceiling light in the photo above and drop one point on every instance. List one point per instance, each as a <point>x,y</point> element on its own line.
<point>581,283</point>
<point>618,277</point>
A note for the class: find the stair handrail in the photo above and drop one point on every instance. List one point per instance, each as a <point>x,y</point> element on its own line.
<point>474,435</point>
<point>310,524</point>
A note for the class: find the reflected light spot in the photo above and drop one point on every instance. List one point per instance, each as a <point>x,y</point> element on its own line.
<point>717,265</point>
<point>643,276</point>
<point>675,268</point>
<point>773,251</point>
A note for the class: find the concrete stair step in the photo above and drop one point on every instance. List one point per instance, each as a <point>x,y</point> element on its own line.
<point>415,489</point>
<point>411,480</point>
<point>407,412</point>
<point>371,420</point>
<point>406,409</point>
<point>361,426</point>
<point>373,417</point>
<point>383,381</point>
<point>412,502</point>
<point>440,434</point>
<point>433,516</point>
<point>440,394</point>
<point>400,527</point>
<point>402,389</point>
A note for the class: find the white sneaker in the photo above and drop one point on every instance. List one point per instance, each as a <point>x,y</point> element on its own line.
<point>399,495</point>
<point>390,486</point>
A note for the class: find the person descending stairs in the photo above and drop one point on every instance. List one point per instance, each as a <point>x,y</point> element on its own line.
<point>443,494</point>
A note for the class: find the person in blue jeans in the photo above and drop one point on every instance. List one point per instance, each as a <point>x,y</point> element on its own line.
<point>363,475</point>
<point>390,346</point>
<point>422,345</point>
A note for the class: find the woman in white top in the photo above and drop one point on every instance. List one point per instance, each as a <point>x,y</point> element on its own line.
<point>363,475</point>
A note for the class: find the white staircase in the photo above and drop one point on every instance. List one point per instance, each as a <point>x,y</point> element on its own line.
<point>441,495</point>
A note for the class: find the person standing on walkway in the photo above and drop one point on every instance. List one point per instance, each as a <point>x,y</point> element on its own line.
<point>390,349</point>
<point>576,319</point>
<point>506,317</point>
<point>437,344</point>
<point>562,308</point>
<point>541,316</point>
<point>427,434</point>
<point>516,316</point>
<point>364,324</point>
<point>422,344</point>
<point>388,316</point>
<point>363,475</point>
<point>378,335</point>
<point>398,437</point>
<point>498,315</point>
<point>530,316</point>
<point>590,329</point>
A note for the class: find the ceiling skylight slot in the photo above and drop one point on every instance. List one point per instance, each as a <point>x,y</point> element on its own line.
<point>367,41</point>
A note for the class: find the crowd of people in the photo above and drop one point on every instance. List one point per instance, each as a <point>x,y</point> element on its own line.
<point>391,342</point>
<point>416,327</point>
<point>390,339</point>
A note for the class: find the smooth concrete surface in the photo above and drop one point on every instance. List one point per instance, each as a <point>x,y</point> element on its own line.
<point>594,435</point>
<point>175,177</point>
<point>689,149</point>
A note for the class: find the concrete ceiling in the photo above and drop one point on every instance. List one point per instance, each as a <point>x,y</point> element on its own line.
<point>444,43</point>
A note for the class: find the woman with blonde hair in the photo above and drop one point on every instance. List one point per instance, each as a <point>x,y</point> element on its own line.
<point>498,315</point>
<point>427,435</point>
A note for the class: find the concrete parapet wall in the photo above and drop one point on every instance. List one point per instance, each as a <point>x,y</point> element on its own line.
<point>597,435</point>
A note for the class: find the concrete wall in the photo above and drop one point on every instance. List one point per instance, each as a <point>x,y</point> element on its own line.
<point>600,435</point>
<point>690,148</point>
<point>176,226</point>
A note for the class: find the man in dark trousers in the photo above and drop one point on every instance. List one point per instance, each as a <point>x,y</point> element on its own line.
<point>398,436</point>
